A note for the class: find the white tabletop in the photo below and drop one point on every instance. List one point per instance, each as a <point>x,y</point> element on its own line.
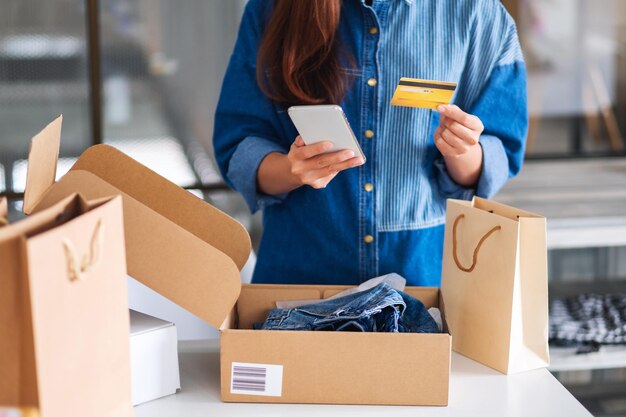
<point>475,390</point>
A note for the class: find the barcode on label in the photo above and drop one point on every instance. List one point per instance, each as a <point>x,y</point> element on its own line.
<point>256,379</point>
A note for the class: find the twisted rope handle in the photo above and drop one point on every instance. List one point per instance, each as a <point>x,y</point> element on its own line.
<point>480,243</point>
<point>76,272</point>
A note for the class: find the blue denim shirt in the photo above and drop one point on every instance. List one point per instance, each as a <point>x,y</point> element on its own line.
<point>325,236</point>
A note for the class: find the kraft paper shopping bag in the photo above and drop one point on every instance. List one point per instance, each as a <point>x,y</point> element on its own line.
<point>64,324</point>
<point>4,212</point>
<point>495,284</point>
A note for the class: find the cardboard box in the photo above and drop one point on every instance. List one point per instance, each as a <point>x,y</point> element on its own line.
<point>192,253</point>
<point>153,358</point>
<point>330,367</point>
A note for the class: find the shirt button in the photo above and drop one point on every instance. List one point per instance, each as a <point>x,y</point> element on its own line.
<point>373,30</point>
<point>368,239</point>
<point>369,134</point>
<point>372,82</point>
<point>368,187</point>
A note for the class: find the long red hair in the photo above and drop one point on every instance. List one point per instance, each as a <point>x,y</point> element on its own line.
<point>299,59</point>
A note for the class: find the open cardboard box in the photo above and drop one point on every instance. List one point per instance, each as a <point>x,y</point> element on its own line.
<point>330,367</point>
<point>177,244</point>
<point>192,253</point>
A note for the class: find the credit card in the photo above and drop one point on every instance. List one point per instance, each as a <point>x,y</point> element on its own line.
<point>425,94</point>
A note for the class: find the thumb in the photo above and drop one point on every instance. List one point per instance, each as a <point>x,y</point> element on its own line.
<point>299,142</point>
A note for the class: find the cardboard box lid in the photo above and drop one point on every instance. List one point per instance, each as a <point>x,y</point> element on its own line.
<point>140,182</point>
<point>177,244</point>
<point>43,157</point>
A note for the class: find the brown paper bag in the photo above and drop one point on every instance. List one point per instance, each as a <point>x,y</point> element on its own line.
<point>495,284</point>
<point>64,324</point>
<point>4,212</point>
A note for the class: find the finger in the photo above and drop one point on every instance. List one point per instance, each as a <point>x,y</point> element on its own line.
<point>323,182</point>
<point>309,151</point>
<point>438,131</point>
<point>452,111</point>
<point>350,163</point>
<point>311,176</point>
<point>466,134</point>
<point>442,119</point>
<point>322,161</point>
<point>328,159</point>
<point>318,176</point>
<point>299,142</point>
<point>444,148</point>
<point>454,141</point>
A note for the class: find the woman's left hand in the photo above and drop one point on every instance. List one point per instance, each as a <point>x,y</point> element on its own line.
<point>458,132</point>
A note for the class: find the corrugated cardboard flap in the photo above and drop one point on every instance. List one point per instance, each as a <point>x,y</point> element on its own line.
<point>176,244</point>
<point>163,255</point>
<point>169,200</point>
<point>42,163</point>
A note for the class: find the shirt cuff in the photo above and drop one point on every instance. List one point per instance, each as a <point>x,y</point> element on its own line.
<point>494,173</point>
<point>243,168</point>
<point>449,188</point>
<point>495,170</point>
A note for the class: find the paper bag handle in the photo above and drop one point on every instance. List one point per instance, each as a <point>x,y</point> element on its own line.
<point>480,243</point>
<point>76,272</point>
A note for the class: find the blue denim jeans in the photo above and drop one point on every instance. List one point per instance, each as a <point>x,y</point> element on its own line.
<point>379,309</point>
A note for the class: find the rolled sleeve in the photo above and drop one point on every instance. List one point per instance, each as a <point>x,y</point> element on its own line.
<point>495,170</point>
<point>448,187</point>
<point>493,175</point>
<point>243,168</point>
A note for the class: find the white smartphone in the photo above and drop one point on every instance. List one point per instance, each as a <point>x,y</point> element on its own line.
<point>325,122</point>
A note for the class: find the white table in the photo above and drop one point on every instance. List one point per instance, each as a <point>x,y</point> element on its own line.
<point>475,390</point>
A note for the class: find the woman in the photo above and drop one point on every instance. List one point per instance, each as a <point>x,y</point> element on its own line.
<point>330,218</point>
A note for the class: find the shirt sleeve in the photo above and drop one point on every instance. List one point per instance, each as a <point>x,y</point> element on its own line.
<point>499,101</point>
<point>246,125</point>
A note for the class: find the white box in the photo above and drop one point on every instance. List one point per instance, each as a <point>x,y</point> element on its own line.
<point>153,358</point>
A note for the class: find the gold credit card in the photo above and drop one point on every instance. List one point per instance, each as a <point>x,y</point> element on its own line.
<point>425,94</point>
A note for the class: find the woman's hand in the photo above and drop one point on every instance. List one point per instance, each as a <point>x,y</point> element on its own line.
<point>457,139</point>
<point>458,131</point>
<point>303,165</point>
<point>311,166</point>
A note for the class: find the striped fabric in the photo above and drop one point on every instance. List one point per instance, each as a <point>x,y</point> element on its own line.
<point>403,172</point>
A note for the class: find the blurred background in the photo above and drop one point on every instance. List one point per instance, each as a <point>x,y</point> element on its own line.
<point>144,76</point>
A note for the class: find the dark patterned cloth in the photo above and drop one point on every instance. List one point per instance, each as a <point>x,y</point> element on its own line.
<point>589,318</point>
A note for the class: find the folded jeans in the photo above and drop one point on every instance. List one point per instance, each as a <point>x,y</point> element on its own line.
<point>378,309</point>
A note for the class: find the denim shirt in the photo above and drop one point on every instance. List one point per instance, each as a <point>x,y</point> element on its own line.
<point>387,215</point>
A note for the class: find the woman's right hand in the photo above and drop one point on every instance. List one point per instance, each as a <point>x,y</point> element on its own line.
<point>310,165</point>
